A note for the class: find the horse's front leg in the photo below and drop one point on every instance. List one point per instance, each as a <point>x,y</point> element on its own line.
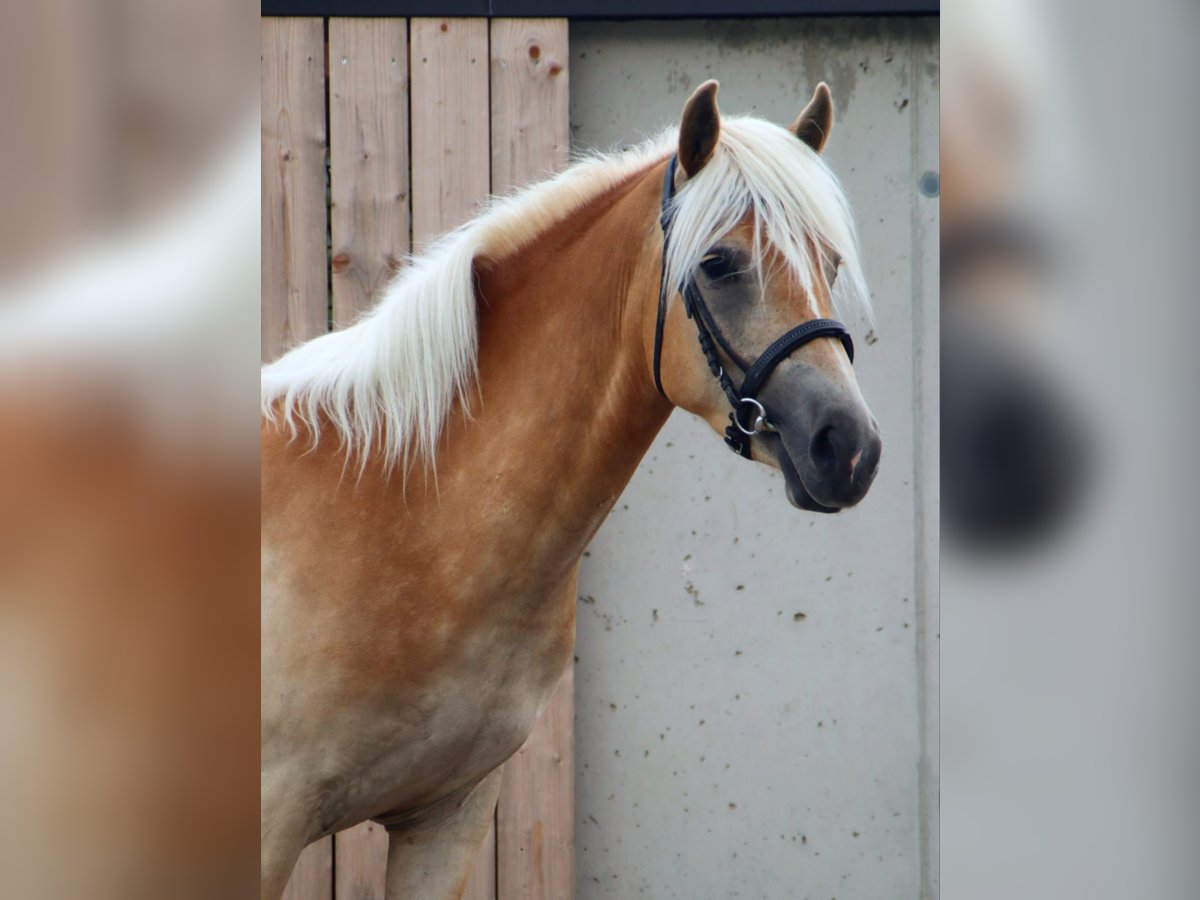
<point>432,860</point>
<point>285,829</point>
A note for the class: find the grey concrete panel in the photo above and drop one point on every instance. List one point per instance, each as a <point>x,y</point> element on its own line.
<point>753,686</point>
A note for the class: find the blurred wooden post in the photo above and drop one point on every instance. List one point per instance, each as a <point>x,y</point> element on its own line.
<point>535,824</point>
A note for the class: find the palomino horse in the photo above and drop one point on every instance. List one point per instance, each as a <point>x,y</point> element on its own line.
<point>432,474</point>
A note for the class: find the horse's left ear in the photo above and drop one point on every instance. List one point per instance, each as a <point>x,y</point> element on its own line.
<point>814,124</point>
<point>700,129</point>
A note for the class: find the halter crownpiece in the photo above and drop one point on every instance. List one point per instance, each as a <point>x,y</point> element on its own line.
<point>748,417</point>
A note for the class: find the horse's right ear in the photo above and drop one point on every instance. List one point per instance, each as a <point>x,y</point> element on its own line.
<point>700,129</point>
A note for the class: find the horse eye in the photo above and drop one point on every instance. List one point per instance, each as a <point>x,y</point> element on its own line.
<point>833,265</point>
<point>717,267</point>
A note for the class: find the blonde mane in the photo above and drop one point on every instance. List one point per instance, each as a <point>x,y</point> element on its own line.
<point>389,381</point>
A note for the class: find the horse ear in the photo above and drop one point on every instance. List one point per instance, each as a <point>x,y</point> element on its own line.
<point>699,129</point>
<point>814,124</point>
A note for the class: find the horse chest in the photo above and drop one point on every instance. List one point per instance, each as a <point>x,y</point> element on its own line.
<point>458,698</point>
<point>401,665</point>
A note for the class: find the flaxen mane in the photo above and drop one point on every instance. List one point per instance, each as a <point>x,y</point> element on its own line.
<point>390,380</point>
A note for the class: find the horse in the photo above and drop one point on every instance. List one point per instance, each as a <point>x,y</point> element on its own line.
<point>432,474</point>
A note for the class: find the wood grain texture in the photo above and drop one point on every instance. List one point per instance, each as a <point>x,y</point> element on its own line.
<point>482,885</point>
<point>530,138</point>
<point>295,294</point>
<point>535,819</point>
<point>368,158</point>
<point>449,99</point>
<point>312,879</point>
<point>361,867</point>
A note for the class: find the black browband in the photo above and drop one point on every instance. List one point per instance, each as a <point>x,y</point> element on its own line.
<point>739,431</point>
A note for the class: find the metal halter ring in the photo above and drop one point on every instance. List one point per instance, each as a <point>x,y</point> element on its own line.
<point>761,424</point>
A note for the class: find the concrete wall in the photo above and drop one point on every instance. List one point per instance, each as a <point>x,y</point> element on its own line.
<point>756,686</point>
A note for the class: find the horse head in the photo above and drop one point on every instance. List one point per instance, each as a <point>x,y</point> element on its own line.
<point>757,235</point>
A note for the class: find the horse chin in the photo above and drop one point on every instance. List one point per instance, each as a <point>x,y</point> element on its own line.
<point>797,493</point>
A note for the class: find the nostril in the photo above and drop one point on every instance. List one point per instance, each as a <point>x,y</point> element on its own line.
<point>822,449</point>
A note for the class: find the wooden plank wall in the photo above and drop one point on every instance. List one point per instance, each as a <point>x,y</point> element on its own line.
<point>467,107</point>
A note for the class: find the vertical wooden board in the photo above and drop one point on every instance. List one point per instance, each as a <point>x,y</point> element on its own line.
<point>482,884</point>
<point>294,271</point>
<point>449,101</point>
<point>448,97</point>
<point>368,158</point>
<point>361,862</point>
<point>312,879</point>
<point>535,820</point>
<point>369,225</point>
<point>530,138</point>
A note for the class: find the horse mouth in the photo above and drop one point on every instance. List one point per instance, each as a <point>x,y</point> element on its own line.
<point>797,493</point>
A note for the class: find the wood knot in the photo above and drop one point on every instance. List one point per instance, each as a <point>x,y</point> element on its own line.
<point>534,51</point>
<point>555,68</point>
<point>445,26</point>
<point>341,262</point>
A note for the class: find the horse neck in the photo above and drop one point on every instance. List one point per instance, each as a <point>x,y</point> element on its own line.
<point>568,405</point>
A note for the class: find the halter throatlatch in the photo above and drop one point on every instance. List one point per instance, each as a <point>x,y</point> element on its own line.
<point>748,417</point>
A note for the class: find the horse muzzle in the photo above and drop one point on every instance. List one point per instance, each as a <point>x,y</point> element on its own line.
<point>829,444</point>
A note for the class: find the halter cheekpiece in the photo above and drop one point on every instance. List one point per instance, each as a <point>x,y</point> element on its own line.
<point>748,416</point>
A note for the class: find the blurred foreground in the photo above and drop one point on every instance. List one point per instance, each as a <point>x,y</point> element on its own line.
<point>1069,592</point>
<point>128,452</point>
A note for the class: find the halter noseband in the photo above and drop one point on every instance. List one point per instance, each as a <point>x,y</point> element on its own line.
<point>743,399</point>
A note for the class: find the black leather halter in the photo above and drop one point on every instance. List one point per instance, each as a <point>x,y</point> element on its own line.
<point>748,417</point>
